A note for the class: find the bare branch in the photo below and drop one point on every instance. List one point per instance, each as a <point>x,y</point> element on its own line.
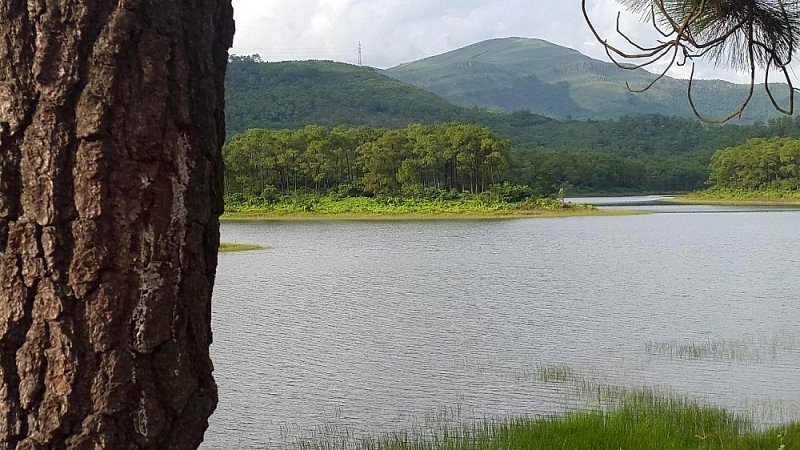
<point>745,34</point>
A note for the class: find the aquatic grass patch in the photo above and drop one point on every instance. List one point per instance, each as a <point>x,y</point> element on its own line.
<point>611,417</point>
<point>770,412</point>
<point>464,206</point>
<point>760,348</point>
<point>642,421</point>
<point>555,373</point>
<point>729,196</point>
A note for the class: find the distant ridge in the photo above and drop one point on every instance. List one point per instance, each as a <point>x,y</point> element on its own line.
<point>531,74</point>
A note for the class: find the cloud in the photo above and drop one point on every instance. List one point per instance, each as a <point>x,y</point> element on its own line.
<point>393,32</point>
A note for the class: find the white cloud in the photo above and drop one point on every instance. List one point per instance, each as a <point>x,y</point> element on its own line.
<point>394,32</point>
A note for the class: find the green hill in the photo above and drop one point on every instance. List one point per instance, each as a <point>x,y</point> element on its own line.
<point>297,93</point>
<point>530,74</point>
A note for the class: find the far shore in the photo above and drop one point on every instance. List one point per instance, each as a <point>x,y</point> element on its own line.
<point>367,216</point>
<point>227,247</point>
<point>729,201</point>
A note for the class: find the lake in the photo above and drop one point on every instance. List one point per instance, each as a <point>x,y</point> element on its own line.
<point>369,327</point>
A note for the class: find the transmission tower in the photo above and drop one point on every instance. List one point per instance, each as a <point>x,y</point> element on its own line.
<point>359,53</point>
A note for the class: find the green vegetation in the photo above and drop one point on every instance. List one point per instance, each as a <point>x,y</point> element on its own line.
<point>582,171</point>
<point>298,93</point>
<point>418,160</point>
<point>449,169</point>
<point>227,247</point>
<point>760,171</point>
<point>717,196</point>
<point>643,421</point>
<point>597,414</point>
<point>450,205</point>
<point>759,164</point>
<point>613,417</point>
<point>559,373</point>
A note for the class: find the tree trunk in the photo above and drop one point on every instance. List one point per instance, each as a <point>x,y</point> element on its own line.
<point>111,124</point>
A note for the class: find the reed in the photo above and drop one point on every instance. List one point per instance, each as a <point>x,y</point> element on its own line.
<point>641,422</point>
<point>620,418</point>
<point>754,348</point>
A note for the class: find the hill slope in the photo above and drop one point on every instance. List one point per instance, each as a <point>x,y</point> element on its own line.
<point>517,73</point>
<point>297,93</point>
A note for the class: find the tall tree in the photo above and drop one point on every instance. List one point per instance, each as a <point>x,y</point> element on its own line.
<point>111,123</point>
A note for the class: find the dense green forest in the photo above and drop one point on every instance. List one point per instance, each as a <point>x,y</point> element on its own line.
<point>470,158</point>
<point>645,153</point>
<point>365,161</point>
<point>759,164</point>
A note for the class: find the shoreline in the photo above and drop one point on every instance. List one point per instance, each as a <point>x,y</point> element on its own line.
<point>267,216</point>
<point>729,201</point>
<point>229,247</point>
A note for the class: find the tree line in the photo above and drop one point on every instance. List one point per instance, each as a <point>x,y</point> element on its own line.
<point>758,164</point>
<point>582,171</point>
<point>364,160</point>
<point>471,158</point>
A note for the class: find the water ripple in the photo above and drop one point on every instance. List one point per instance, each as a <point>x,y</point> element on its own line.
<point>373,327</point>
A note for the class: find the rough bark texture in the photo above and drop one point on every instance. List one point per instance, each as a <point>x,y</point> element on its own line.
<point>111,123</point>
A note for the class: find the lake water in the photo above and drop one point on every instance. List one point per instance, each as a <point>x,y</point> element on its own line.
<point>368,327</point>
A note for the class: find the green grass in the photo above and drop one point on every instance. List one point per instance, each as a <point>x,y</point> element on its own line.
<point>227,247</point>
<point>307,207</point>
<point>359,216</point>
<point>613,417</point>
<point>740,197</point>
<point>642,420</point>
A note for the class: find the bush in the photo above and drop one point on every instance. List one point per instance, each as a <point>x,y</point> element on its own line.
<point>270,194</point>
<point>352,189</point>
<point>511,192</point>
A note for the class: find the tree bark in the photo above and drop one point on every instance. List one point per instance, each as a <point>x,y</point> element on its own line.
<point>111,124</point>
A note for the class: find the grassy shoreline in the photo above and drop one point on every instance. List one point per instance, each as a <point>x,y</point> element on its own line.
<point>415,216</point>
<point>640,419</point>
<point>326,208</point>
<point>659,425</point>
<point>739,197</point>
<point>733,201</point>
<point>608,417</point>
<point>227,247</point>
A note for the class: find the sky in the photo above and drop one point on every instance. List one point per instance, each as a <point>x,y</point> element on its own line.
<point>392,32</point>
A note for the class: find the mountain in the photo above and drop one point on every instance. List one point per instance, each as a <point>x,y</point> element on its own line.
<point>297,93</point>
<point>530,74</point>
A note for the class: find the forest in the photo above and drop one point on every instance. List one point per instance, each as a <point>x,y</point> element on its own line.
<point>425,160</point>
<point>759,164</point>
<point>365,161</point>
